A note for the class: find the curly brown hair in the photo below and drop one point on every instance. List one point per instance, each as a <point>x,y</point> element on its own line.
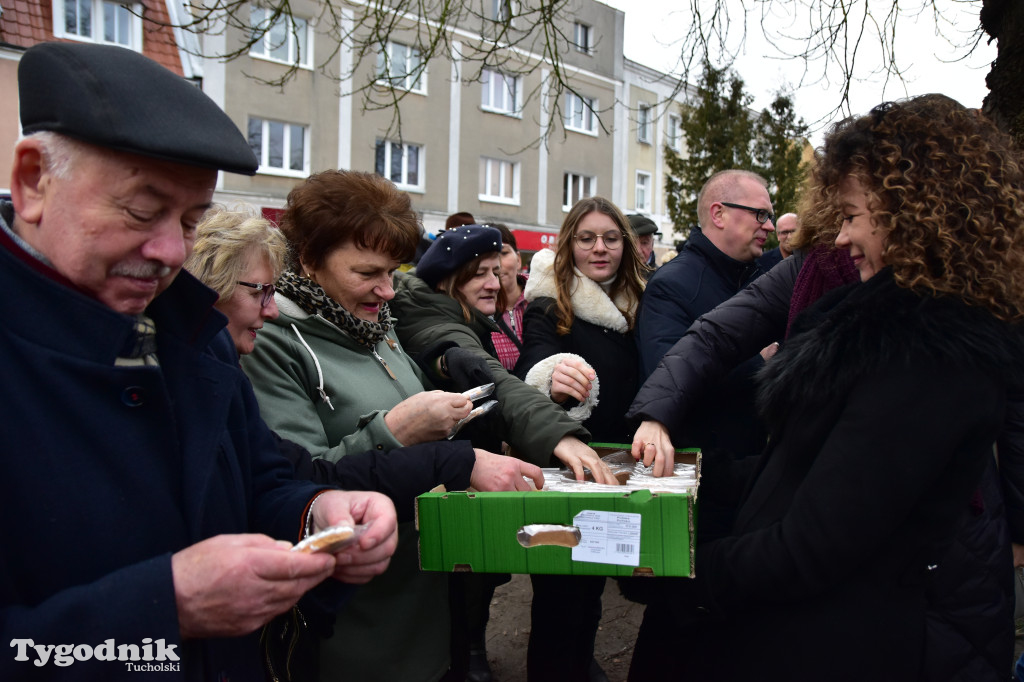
<point>946,188</point>
<point>630,276</point>
<point>335,207</point>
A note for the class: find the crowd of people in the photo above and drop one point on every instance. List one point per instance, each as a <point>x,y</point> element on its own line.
<point>219,388</point>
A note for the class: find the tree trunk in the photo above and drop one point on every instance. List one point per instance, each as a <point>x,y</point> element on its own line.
<point>1003,20</point>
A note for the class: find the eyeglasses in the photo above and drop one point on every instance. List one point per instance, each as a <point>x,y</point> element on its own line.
<point>761,215</point>
<point>588,240</point>
<point>267,289</point>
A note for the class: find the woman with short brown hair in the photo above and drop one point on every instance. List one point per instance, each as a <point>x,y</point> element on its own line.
<point>331,375</point>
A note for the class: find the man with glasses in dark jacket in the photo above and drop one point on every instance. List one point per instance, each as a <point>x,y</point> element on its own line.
<point>735,214</point>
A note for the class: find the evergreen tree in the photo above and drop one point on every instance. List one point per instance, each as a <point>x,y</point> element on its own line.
<point>719,135</point>
<point>779,139</point>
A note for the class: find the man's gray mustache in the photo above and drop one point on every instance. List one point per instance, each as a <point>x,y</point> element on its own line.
<point>144,270</point>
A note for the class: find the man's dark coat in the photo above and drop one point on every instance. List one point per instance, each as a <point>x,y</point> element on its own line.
<point>107,471</point>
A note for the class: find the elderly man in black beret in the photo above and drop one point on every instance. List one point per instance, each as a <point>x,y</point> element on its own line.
<point>644,228</point>
<point>143,498</point>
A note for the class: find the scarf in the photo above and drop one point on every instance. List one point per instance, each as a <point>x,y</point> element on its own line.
<point>309,296</point>
<point>824,269</point>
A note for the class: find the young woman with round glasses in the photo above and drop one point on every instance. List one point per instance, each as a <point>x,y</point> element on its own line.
<point>577,340</point>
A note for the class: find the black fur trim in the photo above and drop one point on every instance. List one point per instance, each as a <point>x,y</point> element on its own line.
<point>864,328</point>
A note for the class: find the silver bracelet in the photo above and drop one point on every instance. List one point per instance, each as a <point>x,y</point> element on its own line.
<point>309,514</point>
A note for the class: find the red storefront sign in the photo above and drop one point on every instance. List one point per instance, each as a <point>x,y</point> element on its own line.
<point>272,214</point>
<point>528,240</point>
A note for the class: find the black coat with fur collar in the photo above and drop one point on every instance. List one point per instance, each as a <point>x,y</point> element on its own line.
<point>600,335</point>
<point>883,412</point>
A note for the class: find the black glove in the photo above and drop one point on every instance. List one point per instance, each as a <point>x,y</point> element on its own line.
<point>466,369</point>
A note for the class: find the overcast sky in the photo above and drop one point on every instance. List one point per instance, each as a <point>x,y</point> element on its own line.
<point>928,60</point>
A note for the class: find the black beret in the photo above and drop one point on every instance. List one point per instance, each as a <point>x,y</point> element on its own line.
<point>113,97</point>
<point>641,224</point>
<point>454,248</point>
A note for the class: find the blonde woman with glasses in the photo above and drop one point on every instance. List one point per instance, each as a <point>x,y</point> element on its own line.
<point>239,254</point>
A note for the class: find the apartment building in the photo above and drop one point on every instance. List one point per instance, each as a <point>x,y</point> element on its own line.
<point>142,26</point>
<point>654,102</point>
<point>496,141</point>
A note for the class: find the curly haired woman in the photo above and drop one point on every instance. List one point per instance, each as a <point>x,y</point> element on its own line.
<point>884,404</point>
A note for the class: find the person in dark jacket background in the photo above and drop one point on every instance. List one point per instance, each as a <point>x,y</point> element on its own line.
<point>736,216</point>
<point>785,227</point>
<point>644,229</point>
<point>716,262</point>
<point>884,403</point>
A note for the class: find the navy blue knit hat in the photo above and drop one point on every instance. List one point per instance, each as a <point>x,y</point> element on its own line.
<point>113,97</point>
<point>454,248</point>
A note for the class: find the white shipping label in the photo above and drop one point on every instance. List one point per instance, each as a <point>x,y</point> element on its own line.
<point>608,538</point>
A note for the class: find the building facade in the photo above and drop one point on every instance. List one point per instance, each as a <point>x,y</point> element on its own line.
<point>495,139</point>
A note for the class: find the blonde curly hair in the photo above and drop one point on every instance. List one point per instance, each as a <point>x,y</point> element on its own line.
<point>946,188</point>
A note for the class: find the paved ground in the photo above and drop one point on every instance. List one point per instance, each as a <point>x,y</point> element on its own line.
<point>509,630</point>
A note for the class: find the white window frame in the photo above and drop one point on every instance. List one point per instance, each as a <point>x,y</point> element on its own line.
<point>505,173</point>
<point>642,196</point>
<point>643,123</point>
<point>500,7</point>
<point>674,132</point>
<point>403,181</point>
<point>286,147</point>
<point>586,182</point>
<point>582,36</point>
<point>585,108</point>
<point>419,86</point>
<point>132,14</point>
<point>295,28</point>
<point>495,96</point>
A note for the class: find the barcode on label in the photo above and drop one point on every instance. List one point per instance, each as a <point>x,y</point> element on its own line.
<point>624,549</point>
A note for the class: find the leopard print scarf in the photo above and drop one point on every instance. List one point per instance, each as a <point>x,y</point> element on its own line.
<point>308,295</point>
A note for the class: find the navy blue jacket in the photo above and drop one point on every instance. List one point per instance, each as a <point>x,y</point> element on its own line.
<point>769,259</point>
<point>693,283</point>
<point>682,290</point>
<point>107,471</point>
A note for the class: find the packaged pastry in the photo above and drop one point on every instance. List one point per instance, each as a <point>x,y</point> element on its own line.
<point>541,534</point>
<point>331,540</point>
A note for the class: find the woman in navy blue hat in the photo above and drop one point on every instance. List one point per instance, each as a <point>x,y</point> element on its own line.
<point>331,376</point>
<point>451,300</point>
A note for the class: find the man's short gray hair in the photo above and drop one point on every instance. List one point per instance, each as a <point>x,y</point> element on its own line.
<point>60,152</point>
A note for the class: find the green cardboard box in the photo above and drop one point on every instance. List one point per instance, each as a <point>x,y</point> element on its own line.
<point>637,532</point>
